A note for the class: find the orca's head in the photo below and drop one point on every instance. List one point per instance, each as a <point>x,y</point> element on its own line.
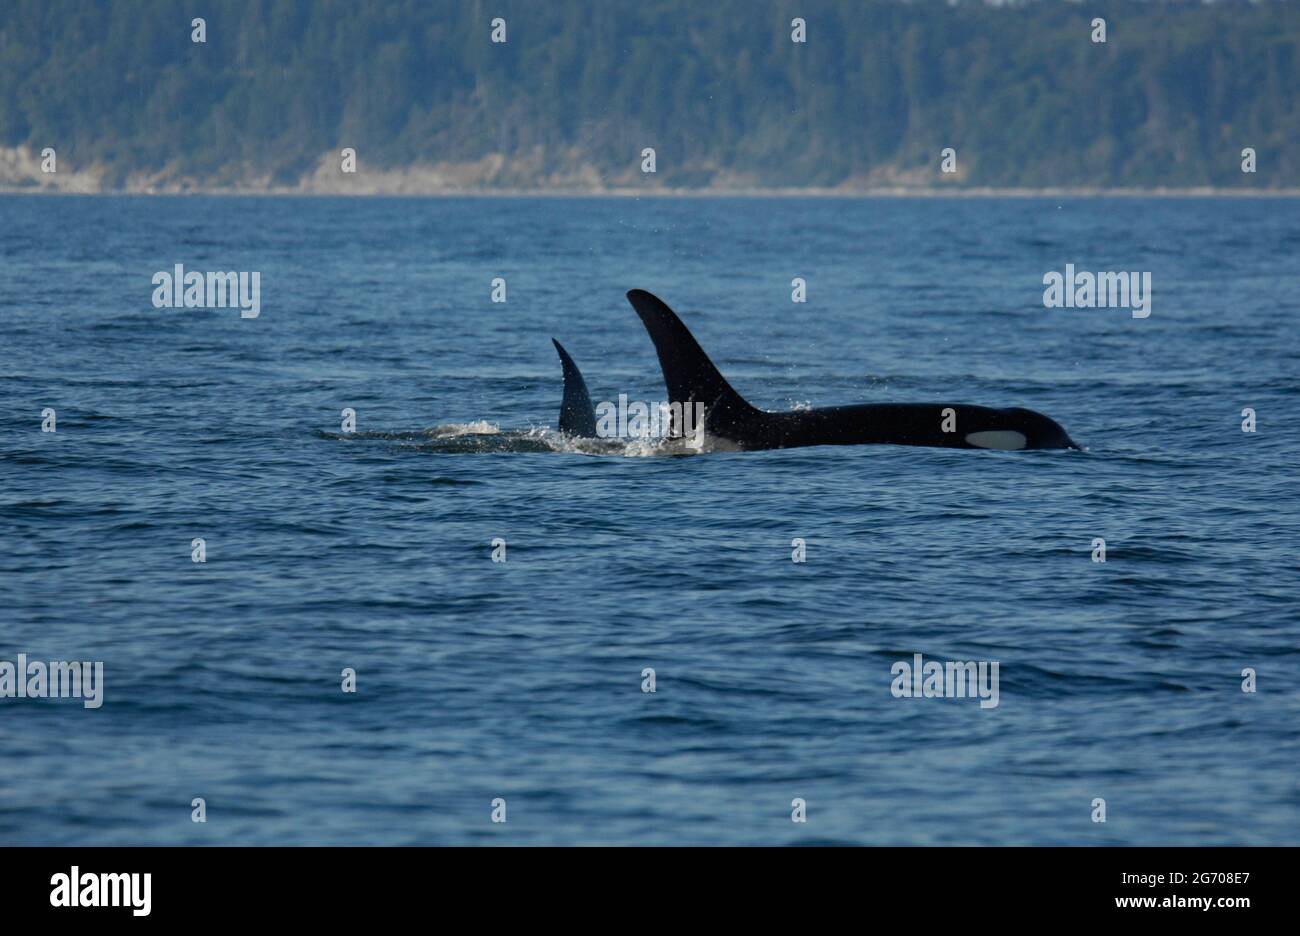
<point>1040,432</point>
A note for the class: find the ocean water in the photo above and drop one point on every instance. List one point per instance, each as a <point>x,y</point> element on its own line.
<point>522,680</point>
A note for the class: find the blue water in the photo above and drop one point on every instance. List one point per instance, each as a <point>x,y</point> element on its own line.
<point>522,680</point>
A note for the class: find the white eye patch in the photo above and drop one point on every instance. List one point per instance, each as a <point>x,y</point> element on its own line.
<point>1003,439</point>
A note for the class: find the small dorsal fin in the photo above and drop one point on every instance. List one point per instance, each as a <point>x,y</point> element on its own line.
<point>688,373</point>
<point>577,415</point>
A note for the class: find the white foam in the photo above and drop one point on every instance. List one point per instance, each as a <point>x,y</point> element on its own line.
<point>456,430</point>
<point>617,448</point>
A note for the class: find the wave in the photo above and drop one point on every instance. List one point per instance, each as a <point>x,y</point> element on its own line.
<point>482,437</point>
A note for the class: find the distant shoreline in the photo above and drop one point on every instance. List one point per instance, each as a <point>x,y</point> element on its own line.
<point>498,176</point>
<point>665,192</point>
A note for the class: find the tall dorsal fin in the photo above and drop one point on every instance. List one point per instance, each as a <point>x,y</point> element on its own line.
<point>577,415</point>
<point>688,373</point>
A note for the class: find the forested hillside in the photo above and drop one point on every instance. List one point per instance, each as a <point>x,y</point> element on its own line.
<point>718,89</point>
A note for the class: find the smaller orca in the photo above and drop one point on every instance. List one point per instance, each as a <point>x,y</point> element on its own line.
<point>691,377</point>
<point>577,415</point>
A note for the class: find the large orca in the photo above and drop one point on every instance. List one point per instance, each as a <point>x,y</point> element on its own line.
<point>691,377</point>
<point>577,415</point>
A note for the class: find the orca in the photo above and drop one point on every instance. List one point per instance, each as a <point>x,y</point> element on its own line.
<point>577,415</point>
<point>691,377</point>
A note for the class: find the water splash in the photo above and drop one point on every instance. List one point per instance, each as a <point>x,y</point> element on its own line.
<point>482,437</point>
